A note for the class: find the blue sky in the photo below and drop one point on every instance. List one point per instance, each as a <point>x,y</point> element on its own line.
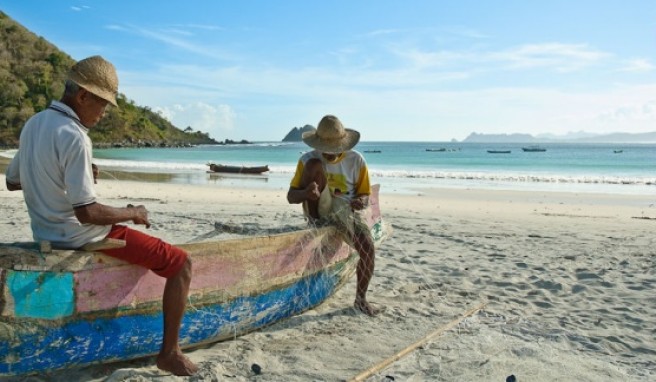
<point>394,70</point>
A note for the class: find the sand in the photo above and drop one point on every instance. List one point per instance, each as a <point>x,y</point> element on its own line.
<point>568,281</point>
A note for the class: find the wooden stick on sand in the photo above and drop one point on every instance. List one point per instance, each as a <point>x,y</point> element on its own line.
<point>383,364</point>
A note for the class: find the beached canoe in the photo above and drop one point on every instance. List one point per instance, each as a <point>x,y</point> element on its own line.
<point>237,169</point>
<point>72,308</point>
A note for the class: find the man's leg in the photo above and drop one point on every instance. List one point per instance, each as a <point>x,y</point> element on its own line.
<point>175,265</point>
<point>313,172</point>
<point>170,357</point>
<point>365,270</point>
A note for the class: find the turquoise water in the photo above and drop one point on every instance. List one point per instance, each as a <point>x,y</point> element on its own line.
<point>408,166</point>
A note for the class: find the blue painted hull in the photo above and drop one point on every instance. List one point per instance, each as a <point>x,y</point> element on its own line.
<point>40,345</point>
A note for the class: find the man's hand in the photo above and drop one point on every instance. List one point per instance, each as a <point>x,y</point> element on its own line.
<point>312,191</point>
<point>140,215</point>
<point>360,202</point>
<point>13,187</point>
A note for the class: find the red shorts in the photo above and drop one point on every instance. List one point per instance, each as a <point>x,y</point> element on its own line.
<point>149,252</point>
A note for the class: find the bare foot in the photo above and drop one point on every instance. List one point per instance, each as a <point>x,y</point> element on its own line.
<point>365,307</point>
<point>176,363</point>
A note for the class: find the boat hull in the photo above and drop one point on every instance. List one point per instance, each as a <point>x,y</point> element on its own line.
<point>533,149</point>
<point>36,346</point>
<point>218,168</point>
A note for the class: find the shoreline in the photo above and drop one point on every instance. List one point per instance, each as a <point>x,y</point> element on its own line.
<point>415,182</point>
<point>567,277</point>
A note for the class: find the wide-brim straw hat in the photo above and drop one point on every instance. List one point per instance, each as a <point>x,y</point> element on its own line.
<point>96,75</point>
<point>331,136</point>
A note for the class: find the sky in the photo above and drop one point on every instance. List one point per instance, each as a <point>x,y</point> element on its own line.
<point>393,70</point>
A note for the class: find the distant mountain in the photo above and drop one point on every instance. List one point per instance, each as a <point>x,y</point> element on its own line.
<point>501,138</point>
<point>32,73</point>
<point>296,134</point>
<point>579,137</point>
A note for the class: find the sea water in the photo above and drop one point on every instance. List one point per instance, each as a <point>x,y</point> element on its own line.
<point>411,166</point>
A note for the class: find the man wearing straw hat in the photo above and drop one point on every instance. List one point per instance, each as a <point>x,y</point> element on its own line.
<point>332,182</point>
<point>53,168</point>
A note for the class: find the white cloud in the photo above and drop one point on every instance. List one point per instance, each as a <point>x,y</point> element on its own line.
<point>425,59</point>
<point>176,38</point>
<point>561,57</point>
<point>630,113</point>
<point>637,65</point>
<point>217,120</point>
<point>116,27</point>
<point>555,56</point>
<point>382,32</point>
<point>80,8</point>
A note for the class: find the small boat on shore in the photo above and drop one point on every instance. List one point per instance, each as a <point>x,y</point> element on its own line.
<point>66,309</point>
<point>499,151</point>
<point>237,169</point>
<point>533,149</point>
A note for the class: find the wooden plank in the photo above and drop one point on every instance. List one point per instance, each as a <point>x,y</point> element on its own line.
<point>410,348</point>
<point>107,243</point>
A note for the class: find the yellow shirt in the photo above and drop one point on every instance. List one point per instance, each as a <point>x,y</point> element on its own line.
<point>347,175</point>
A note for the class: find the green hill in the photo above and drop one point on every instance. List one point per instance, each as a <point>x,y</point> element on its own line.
<point>32,73</point>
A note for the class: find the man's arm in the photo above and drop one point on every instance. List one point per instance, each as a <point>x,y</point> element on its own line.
<point>362,189</point>
<point>13,173</point>
<point>101,214</point>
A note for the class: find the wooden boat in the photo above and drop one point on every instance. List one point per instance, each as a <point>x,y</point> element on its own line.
<point>534,149</point>
<point>73,308</point>
<point>237,169</point>
<point>499,151</point>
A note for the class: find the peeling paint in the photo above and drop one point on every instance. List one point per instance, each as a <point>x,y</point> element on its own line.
<point>41,294</point>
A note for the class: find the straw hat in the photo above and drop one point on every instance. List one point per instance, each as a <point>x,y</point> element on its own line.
<point>331,136</point>
<point>96,75</point>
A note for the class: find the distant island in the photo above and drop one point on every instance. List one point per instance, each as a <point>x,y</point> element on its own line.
<point>296,134</point>
<point>579,137</point>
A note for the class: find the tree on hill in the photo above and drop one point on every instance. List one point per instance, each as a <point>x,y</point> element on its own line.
<point>32,73</point>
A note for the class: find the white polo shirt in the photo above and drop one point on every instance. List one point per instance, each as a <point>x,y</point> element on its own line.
<point>53,167</point>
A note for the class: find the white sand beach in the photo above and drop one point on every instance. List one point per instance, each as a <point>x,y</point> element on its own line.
<point>568,280</point>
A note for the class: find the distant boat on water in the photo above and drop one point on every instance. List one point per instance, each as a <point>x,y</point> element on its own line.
<point>215,168</point>
<point>534,149</point>
<point>499,151</point>
<point>618,151</point>
<point>442,149</point>
<point>373,151</point>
